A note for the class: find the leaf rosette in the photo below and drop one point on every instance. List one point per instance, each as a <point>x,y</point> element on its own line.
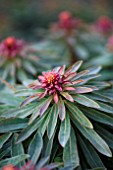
<point>18,60</point>
<point>69,105</point>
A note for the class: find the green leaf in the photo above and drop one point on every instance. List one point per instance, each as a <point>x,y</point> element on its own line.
<point>4,152</point>
<point>92,157</point>
<point>8,125</point>
<point>49,146</point>
<point>100,97</point>
<point>80,74</point>
<point>9,99</point>
<point>29,100</point>
<point>105,108</point>
<point>4,138</point>
<point>17,149</point>
<point>21,75</point>
<point>90,77</point>
<point>70,154</point>
<point>106,135</point>
<point>27,65</point>
<point>78,115</point>
<point>74,67</point>
<point>14,160</point>
<point>62,110</point>
<point>30,129</point>
<point>42,162</point>
<point>81,99</point>
<point>18,112</point>
<point>98,116</point>
<point>53,120</point>
<point>35,147</point>
<point>94,139</point>
<point>44,124</point>
<point>67,96</point>
<point>64,132</point>
<point>40,109</point>
<point>25,92</point>
<point>80,89</point>
<point>94,70</point>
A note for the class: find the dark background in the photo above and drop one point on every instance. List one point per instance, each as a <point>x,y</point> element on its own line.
<point>23,18</point>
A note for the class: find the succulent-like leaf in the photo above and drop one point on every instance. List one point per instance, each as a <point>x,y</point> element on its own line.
<point>80,74</point>
<point>64,132</point>
<point>4,138</point>
<point>95,139</point>
<point>30,129</point>
<point>29,99</point>
<point>74,67</point>
<point>14,160</point>
<point>53,120</point>
<point>105,108</point>
<point>17,149</point>
<point>78,115</point>
<point>98,116</point>
<point>62,109</point>
<point>94,70</point>
<point>44,124</point>
<point>92,157</point>
<point>8,125</point>
<point>82,99</point>
<point>81,89</point>
<point>106,135</point>
<point>35,147</point>
<point>70,154</point>
<point>67,96</point>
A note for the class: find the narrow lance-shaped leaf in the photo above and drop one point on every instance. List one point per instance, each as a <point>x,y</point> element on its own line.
<point>94,70</point>
<point>40,110</point>
<point>62,109</point>
<point>92,157</point>
<point>17,149</point>
<point>67,96</point>
<point>29,99</point>
<point>42,162</point>
<point>105,108</point>
<point>81,99</point>
<point>4,138</point>
<point>45,106</point>
<point>70,76</point>
<point>31,128</point>
<point>82,90</point>
<point>74,67</point>
<point>99,116</point>
<point>8,125</point>
<point>95,139</point>
<point>14,160</point>
<point>70,154</point>
<point>61,70</point>
<point>64,132</point>
<point>53,120</point>
<point>78,115</point>
<point>49,146</point>
<point>44,124</point>
<point>35,147</point>
<point>80,74</point>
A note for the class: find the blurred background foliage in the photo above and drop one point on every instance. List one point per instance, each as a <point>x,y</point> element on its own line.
<point>23,18</point>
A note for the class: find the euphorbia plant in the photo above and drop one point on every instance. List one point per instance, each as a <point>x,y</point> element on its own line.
<point>17,60</point>
<point>61,39</point>
<point>104,57</point>
<point>29,166</point>
<point>104,25</point>
<point>72,107</point>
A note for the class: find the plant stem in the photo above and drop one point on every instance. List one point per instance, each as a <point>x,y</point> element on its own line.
<point>74,56</point>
